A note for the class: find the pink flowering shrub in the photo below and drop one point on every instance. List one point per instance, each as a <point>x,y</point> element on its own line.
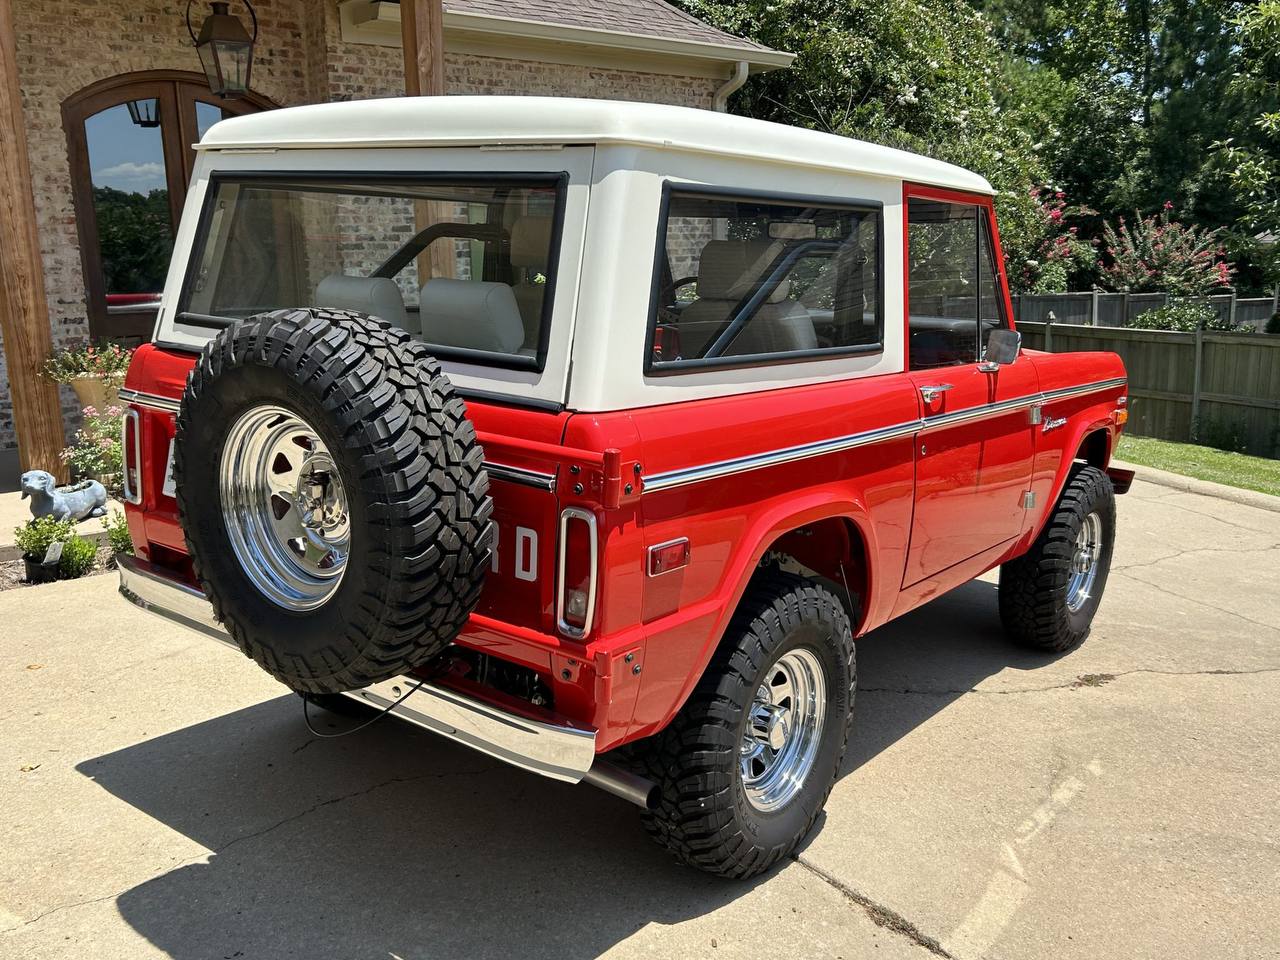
<point>1044,249</point>
<point>1158,253</point>
<point>95,449</point>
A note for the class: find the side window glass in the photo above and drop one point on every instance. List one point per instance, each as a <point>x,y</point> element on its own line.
<point>991,299</point>
<point>742,280</point>
<point>942,283</point>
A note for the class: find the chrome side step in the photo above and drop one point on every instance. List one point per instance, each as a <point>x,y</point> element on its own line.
<point>560,750</point>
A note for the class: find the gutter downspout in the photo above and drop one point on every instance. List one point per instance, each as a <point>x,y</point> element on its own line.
<point>720,100</point>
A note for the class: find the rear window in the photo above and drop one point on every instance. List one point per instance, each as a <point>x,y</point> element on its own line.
<point>465,264</point>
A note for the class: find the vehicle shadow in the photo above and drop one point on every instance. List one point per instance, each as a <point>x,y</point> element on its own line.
<point>916,666</point>
<point>395,843</point>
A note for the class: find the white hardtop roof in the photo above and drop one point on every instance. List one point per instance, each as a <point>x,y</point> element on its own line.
<point>511,121</point>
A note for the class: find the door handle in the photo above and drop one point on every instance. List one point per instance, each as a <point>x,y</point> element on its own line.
<point>934,391</point>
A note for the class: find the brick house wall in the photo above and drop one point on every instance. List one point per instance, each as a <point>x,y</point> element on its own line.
<point>63,46</point>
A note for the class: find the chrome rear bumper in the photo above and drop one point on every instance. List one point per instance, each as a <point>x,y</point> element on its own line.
<point>559,750</point>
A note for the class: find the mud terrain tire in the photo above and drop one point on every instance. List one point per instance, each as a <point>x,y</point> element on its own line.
<point>705,816</point>
<point>413,501</point>
<point>1043,604</point>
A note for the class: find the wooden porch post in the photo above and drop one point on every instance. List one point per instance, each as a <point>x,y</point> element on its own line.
<point>24,311</point>
<point>422,35</point>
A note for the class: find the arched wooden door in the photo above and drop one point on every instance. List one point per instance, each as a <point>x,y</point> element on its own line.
<point>129,139</point>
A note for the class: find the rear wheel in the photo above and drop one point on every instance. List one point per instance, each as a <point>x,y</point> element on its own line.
<point>746,766</point>
<point>1049,595</point>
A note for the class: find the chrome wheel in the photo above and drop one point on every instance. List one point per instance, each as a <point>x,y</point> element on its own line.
<point>284,508</point>
<point>784,730</point>
<point>1084,562</point>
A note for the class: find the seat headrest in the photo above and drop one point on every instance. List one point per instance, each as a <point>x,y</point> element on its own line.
<point>728,269</point>
<point>376,296</point>
<point>472,314</point>
<point>531,242</point>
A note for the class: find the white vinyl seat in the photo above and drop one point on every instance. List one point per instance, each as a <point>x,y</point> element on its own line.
<point>727,271</point>
<point>472,314</point>
<point>377,296</point>
<point>530,248</point>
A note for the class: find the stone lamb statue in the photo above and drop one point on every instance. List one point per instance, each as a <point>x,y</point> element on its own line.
<point>86,499</point>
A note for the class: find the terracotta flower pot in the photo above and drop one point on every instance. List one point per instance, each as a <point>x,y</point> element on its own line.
<point>96,392</point>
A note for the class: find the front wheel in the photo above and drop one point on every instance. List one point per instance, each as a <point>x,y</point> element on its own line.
<point>746,766</point>
<point>1049,595</point>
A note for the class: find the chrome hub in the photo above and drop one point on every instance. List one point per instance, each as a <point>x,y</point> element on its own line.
<point>1084,562</point>
<point>284,507</point>
<point>783,730</point>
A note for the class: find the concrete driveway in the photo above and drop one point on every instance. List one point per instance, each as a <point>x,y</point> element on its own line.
<point>159,796</point>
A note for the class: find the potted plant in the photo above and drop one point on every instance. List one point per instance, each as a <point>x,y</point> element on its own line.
<point>95,450</point>
<point>94,372</point>
<point>36,539</point>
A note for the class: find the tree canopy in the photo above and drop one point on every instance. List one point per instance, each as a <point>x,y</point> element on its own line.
<point>1122,106</point>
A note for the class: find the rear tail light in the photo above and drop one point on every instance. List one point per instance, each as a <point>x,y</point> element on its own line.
<point>577,574</point>
<point>131,452</point>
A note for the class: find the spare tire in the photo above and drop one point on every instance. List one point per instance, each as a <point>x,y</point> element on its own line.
<point>332,495</point>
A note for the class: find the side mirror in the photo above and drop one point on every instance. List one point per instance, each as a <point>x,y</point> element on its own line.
<point>1003,345</point>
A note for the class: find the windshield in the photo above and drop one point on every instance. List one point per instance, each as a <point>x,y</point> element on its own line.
<point>466,265</point>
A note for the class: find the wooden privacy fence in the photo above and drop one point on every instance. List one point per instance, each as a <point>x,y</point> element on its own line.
<point>1199,386</point>
<point>1099,309</point>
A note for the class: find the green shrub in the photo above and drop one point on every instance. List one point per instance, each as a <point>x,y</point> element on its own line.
<point>1273,325</point>
<point>118,538</point>
<point>78,557</point>
<point>35,537</point>
<point>1222,435</point>
<point>1184,317</point>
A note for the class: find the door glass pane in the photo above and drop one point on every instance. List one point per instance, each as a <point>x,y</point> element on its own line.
<point>206,116</point>
<point>942,283</point>
<point>990,302</point>
<point>130,201</point>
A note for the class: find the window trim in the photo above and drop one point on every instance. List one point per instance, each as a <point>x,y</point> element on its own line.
<point>984,203</point>
<point>667,368</point>
<point>559,180</point>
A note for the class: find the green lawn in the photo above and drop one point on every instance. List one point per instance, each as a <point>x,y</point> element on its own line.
<point>1203,463</point>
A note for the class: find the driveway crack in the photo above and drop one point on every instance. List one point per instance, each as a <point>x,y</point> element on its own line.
<point>1086,680</point>
<point>878,913</point>
<point>1232,613</point>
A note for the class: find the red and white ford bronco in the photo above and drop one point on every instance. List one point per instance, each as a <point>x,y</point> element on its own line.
<point>591,434</point>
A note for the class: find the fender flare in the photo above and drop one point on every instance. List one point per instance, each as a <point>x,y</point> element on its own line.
<point>1084,424</point>
<point>821,503</point>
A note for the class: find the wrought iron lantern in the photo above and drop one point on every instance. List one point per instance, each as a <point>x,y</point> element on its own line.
<point>226,49</point>
<point>143,112</point>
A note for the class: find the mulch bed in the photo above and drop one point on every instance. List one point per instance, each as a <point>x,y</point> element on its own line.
<point>13,572</point>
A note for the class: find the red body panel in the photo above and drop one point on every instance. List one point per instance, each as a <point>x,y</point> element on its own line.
<point>970,477</point>
<point>905,514</point>
<point>732,520</point>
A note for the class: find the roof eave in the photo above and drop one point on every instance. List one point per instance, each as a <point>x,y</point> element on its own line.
<point>760,58</point>
<point>369,21</point>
